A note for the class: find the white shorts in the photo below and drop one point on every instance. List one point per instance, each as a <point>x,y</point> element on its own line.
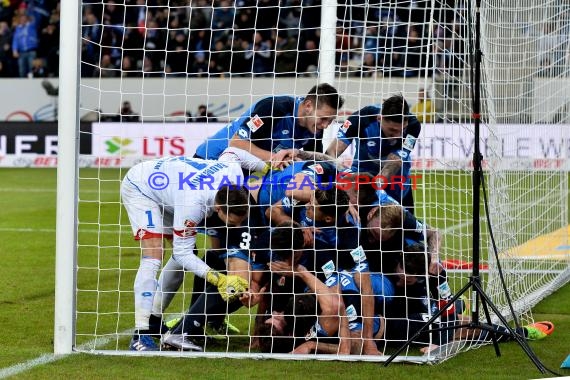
<point>148,218</point>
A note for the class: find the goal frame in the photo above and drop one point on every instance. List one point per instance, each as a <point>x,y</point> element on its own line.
<point>67,177</point>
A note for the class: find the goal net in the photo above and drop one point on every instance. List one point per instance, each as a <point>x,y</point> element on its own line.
<point>157,78</point>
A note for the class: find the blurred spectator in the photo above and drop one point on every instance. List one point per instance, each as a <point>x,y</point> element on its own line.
<point>285,55</point>
<point>126,113</point>
<point>200,66</point>
<point>550,50</point>
<point>415,52</point>
<point>258,56</point>
<point>106,69</point>
<point>6,50</point>
<point>204,116</point>
<point>221,58</point>
<point>247,37</point>
<point>49,48</point>
<point>127,68</point>
<point>38,68</point>
<point>25,43</point>
<point>369,66</point>
<point>308,59</point>
<point>424,109</point>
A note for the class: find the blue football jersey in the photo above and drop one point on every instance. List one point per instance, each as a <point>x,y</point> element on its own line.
<point>277,182</point>
<point>372,146</point>
<point>270,124</point>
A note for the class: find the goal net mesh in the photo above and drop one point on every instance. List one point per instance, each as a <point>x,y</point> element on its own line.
<point>158,77</point>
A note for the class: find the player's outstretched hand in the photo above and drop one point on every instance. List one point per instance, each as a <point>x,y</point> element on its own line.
<point>230,287</point>
<point>282,267</point>
<point>283,158</point>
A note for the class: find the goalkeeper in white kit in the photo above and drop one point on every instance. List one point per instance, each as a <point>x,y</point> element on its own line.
<point>167,198</point>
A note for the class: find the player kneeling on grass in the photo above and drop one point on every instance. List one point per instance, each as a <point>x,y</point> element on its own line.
<point>165,197</point>
<point>241,261</point>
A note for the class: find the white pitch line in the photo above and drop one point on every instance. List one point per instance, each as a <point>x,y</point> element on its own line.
<point>52,230</point>
<point>50,358</point>
<point>52,190</point>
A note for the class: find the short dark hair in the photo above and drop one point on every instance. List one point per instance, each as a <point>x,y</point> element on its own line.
<point>301,314</point>
<point>285,240</point>
<point>326,94</point>
<point>333,202</point>
<point>415,259</point>
<point>395,109</point>
<point>233,200</point>
<point>271,342</point>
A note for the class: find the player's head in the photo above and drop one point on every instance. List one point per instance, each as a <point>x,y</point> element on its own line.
<point>359,187</point>
<point>394,117</point>
<point>301,314</point>
<point>273,334</point>
<point>319,108</point>
<point>412,264</point>
<point>286,242</point>
<point>232,204</point>
<point>327,206</point>
<point>383,222</point>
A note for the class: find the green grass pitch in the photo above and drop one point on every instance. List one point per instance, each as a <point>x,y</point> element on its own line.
<point>27,227</point>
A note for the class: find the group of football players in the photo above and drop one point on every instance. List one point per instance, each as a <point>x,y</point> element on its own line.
<point>331,257</point>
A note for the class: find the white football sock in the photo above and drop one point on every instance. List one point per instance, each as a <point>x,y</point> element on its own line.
<point>170,280</point>
<point>145,288</point>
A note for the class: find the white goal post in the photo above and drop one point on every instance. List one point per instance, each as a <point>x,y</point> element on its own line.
<point>137,72</point>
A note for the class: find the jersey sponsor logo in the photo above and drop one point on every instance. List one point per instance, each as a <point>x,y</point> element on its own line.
<point>409,143</point>
<point>289,202</point>
<point>351,313</point>
<point>313,331</point>
<point>189,229</point>
<point>255,123</point>
<point>317,168</point>
<point>419,226</point>
<point>243,133</point>
<point>328,268</point>
<point>358,254</point>
<point>345,126</point>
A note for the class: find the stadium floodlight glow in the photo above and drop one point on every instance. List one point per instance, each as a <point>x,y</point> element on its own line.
<point>187,70</point>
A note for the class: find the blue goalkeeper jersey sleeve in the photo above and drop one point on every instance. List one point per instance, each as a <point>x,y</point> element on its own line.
<point>270,124</point>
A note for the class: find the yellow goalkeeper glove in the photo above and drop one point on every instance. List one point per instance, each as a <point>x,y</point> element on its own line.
<point>230,287</point>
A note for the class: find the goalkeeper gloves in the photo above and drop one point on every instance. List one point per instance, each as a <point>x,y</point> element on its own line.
<point>230,287</point>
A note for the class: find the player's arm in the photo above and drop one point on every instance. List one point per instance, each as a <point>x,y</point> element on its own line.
<point>278,212</point>
<point>336,148</point>
<point>362,279</point>
<point>186,218</point>
<point>258,126</point>
<point>392,166</point>
<point>250,147</point>
<point>303,155</point>
<point>345,134</point>
<point>281,211</point>
<point>433,238</point>
<point>246,160</point>
<point>300,188</point>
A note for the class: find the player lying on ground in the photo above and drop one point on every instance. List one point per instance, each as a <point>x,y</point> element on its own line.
<point>385,137</point>
<point>250,265</point>
<point>275,124</point>
<point>167,197</point>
